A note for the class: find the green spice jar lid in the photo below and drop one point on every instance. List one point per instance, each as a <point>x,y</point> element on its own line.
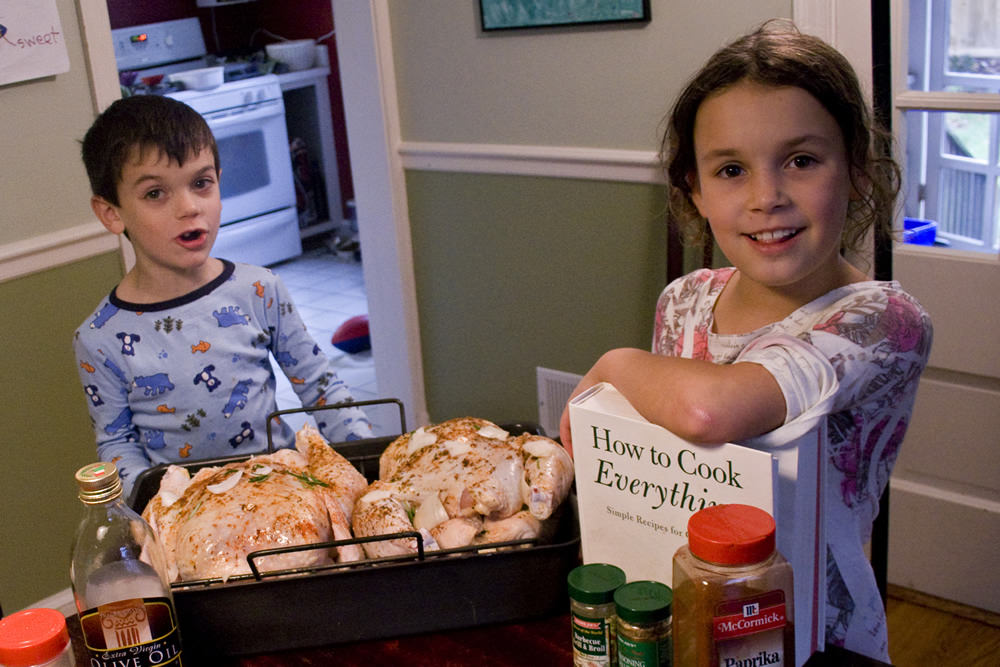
<point>643,602</point>
<point>731,534</point>
<point>595,583</point>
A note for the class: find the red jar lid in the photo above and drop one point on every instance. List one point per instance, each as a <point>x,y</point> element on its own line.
<point>731,534</point>
<point>32,637</point>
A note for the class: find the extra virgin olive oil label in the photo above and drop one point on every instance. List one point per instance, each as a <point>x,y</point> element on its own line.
<point>132,633</point>
<point>750,632</point>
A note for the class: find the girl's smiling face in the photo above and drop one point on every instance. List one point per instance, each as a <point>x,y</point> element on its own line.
<point>772,179</point>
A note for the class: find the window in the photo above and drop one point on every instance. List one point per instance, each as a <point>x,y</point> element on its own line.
<point>952,124</point>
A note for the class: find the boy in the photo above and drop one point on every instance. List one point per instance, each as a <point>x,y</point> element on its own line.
<point>175,361</point>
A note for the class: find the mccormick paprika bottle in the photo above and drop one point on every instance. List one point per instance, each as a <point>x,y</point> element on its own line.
<point>732,592</point>
<point>119,577</point>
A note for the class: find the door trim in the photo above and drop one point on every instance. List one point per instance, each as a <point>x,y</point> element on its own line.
<point>368,81</point>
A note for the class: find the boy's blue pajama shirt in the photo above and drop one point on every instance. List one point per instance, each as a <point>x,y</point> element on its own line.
<point>191,378</point>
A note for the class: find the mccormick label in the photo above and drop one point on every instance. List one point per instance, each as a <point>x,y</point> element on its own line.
<point>750,632</point>
<point>132,633</point>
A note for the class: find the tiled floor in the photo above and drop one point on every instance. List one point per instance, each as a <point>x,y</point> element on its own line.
<point>327,289</point>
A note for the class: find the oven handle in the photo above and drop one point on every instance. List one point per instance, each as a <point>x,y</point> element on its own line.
<point>247,114</point>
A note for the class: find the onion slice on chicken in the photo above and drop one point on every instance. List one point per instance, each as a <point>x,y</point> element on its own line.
<point>430,513</point>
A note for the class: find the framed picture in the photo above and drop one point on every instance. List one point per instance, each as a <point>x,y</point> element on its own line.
<point>515,14</point>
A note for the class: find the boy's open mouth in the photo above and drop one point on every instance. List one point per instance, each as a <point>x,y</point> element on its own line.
<point>774,235</point>
<point>193,235</point>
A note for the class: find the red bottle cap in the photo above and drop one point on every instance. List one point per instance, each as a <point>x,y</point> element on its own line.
<point>32,637</point>
<point>731,534</point>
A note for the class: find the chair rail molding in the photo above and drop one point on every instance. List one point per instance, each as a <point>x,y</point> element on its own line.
<point>602,164</point>
<point>47,251</point>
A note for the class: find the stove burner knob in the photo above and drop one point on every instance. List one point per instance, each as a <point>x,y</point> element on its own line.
<point>247,97</point>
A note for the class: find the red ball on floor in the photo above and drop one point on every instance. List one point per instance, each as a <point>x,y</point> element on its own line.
<point>353,335</point>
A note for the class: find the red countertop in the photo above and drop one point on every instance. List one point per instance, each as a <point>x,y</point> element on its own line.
<point>544,641</point>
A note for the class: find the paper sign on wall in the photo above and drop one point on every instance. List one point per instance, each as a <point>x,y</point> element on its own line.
<point>32,43</point>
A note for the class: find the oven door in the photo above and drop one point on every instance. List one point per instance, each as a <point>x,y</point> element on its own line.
<point>253,153</point>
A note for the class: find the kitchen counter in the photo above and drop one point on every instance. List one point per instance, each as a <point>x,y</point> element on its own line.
<point>544,641</point>
<point>304,77</point>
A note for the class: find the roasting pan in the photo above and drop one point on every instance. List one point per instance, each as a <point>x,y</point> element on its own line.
<point>376,599</point>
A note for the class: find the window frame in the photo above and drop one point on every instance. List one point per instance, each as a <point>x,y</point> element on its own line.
<point>929,126</point>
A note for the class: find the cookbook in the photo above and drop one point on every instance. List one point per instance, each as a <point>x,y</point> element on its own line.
<point>638,484</point>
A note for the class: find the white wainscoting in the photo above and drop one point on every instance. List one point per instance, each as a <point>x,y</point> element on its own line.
<point>600,164</point>
<point>48,251</point>
<point>87,240</point>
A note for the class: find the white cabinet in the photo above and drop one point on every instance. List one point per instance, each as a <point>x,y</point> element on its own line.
<point>307,114</point>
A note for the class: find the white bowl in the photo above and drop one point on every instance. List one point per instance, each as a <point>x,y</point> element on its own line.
<point>205,78</point>
<point>298,54</point>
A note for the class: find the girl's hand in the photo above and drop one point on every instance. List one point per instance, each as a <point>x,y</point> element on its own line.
<point>565,437</point>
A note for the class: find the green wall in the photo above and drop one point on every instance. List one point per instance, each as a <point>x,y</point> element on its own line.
<point>517,272</point>
<point>47,434</point>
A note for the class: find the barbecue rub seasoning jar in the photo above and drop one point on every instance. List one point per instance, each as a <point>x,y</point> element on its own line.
<point>592,613</point>
<point>643,610</point>
<point>120,582</point>
<point>732,592</point>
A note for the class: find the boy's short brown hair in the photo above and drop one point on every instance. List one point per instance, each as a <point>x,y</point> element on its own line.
<point>141,122</point>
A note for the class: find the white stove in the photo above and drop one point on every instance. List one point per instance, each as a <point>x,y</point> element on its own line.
<point>221,102</point>
<point>156,44</point>
<point>247,117</point>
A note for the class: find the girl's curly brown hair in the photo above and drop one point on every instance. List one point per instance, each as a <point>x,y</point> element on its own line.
<point>777,54</point>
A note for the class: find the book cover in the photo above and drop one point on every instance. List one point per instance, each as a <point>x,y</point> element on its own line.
<point>638,484</point>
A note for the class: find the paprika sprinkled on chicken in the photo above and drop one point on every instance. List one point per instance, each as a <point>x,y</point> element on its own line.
<point>210,522</point>
<point>460,482</point>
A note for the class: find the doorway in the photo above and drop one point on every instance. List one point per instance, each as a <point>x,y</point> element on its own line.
<point>364,51</point>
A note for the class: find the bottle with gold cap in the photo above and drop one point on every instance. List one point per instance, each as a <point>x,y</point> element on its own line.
<point>119,576</point>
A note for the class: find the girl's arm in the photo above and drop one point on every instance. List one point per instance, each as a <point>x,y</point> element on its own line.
<point>697,400</point>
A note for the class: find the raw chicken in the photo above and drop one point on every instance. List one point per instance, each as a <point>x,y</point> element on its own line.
<point>210,522</point>
<point>464,481</point>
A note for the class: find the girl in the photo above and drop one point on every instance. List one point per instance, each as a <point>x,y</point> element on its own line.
<point>771,144</point>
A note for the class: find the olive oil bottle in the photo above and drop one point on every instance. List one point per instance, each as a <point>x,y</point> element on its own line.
<point>119,576</point>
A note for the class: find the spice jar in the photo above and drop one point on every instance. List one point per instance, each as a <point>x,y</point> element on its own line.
<point>120,583</point>
<point>732,591</point>
<point>592,613</point>
<point>35,638</point>
<point>643,610</point>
